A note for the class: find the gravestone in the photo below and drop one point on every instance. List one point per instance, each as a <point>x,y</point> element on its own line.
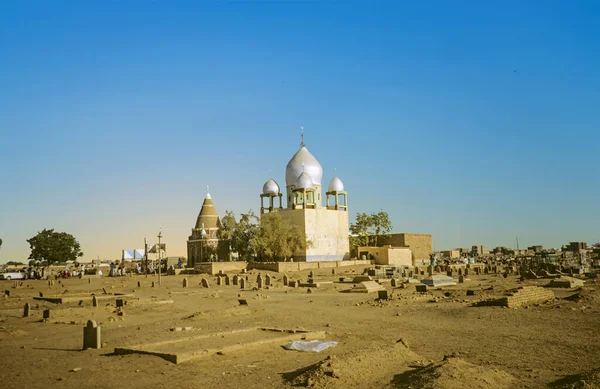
<point>292,284</point>
<point>219,280</point>
<point>285,280</point>
<point>119,303</point>
<point>258,276</point>
<point>139,284</point>
<point>204,283</point>
<point>153,284</point>
<point>311,274</point>
<point>94,301</point>
<point>185,282</point>
<point>235,280</point>
<point>333,271</point>
<point>26,310</point>
<point>242,283</point>
<point>259,282</point>
<point>7,293</point>
<point>268,280</point>
<point>89,280</point>
<point>91,335</point>
<point>477,270</point>
<point>227,280</point>
<point>429,270</point>
<point>382,295</point>
<point>466,271</point>
<point>243,302</point>
<point>394,283</point>
<point>421,288</point>
<point>470,293</point>
<point>461,279</point>
<point>460,272</point>
<point>46,314</point>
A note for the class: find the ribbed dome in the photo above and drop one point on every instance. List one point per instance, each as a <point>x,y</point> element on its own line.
<point>270,187</point>
<point>208,215</point>
<point>304,182</point>
<point>303,162</point>
<point>335,185</point>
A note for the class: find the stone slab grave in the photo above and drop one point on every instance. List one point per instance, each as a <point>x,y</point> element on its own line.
<point>565,282</point>
<point>186,349</point>
<point>525,295</point>
<point>62,299</point>
<point>361,278</point>
<point>367,287</point>
<point>438,280</point>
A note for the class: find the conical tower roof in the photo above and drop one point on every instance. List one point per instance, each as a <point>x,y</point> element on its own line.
<point>208,215</point>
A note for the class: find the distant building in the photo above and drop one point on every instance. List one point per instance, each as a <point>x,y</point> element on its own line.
<point>452,254</point>
<point>479,251</point>
<point>576,247</point>
<point>464,251</point>
<point>536,249</point>
<point>420,245</point>
<point>388,255</point>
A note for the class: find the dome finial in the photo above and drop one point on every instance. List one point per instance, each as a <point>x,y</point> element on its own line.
<point>208,192</point>
<point>302,144</point>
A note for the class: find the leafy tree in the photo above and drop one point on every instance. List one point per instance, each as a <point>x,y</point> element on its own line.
<point>0,243</point>
<point>278,238</point>
<point>381,225</point>
<point>368,229</point>
<point>360,229</point>
<point>244,235</point>
<point>14,263</point>
<point>227,229</point>
<point>240,235</point>
<point>49,247</point>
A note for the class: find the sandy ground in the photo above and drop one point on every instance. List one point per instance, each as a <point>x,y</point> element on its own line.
<point>539,345</point>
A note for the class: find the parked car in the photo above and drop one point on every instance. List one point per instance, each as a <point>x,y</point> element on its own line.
<point>15,275</point>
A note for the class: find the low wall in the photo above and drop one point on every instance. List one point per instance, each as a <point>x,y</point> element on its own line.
<point>283,267</point>
<point>216,267</point>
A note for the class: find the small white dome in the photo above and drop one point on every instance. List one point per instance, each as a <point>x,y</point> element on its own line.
<point>304,182</point>
<point>303,161</point>
<point>270,187</point>
<point>335,185</point>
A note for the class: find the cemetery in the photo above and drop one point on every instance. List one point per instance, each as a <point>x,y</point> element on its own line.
<point>397,329</point>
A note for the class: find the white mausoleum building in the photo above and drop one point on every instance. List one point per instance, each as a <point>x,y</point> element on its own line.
<point>326,226</point>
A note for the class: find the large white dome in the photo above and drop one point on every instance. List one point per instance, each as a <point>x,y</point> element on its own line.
<point>303,161</point>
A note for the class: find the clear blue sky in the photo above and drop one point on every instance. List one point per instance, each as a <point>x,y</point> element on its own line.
<point>475,121</point>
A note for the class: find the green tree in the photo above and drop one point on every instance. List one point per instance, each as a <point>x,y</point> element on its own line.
<point>0,243</point>
<point>49,247</point>
<point>381,225</point>
<point>368,229</point>
<point>227,229</point>
<point>244,235</point>
<point>14,263</point>
<point>278,238</point>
